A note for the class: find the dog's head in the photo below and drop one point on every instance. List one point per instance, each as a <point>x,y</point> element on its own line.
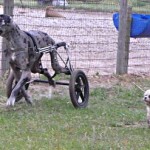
<point>146,97</point>
<point>5,24</point>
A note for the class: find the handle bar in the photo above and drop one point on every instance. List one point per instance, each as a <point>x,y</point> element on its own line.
<point>52,47</point>
<point>60,44</point>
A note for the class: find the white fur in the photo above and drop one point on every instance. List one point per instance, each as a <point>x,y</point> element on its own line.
<point>148,111</point>
<point>146,95</point>
<point>10,101</point>
<point>146,98</point>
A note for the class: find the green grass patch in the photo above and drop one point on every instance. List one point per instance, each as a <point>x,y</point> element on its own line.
<point>114,119</point>
<point>95,7</point>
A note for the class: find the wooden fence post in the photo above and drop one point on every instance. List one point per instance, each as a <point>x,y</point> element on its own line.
<point>123,37</point>
<point>8,10</point>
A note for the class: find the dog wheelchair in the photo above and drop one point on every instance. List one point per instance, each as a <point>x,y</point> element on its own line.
<point>78,82</point>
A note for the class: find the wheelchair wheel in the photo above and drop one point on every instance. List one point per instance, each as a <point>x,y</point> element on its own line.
<point>10,84</point>
<point>79,89</point>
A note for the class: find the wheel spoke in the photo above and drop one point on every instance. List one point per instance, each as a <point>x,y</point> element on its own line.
<point>78,80</point>
<point>79,88</point>
<point>81,95</point>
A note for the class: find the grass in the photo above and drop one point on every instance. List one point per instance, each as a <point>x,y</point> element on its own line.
<point>95,7</point>
<point>112,5</point>
<point>115,119</point>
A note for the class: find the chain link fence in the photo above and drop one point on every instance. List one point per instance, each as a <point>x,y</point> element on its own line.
<point>87,26</point>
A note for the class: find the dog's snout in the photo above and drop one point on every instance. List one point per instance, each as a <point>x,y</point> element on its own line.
<point>145,98</point>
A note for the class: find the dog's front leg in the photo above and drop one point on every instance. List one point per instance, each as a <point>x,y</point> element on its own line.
<point>25,76</point>
<point>26,96</point>
<point>148,116</point>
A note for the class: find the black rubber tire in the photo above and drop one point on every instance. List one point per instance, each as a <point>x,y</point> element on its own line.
<point>10,84</point>
<point>79,89</point>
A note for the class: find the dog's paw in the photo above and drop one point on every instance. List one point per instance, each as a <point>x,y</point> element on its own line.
<point>10,102</point>
<point>29,101</point>
<point>52,83</point>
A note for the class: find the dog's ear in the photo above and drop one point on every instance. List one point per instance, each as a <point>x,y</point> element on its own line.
<point>5,19</point>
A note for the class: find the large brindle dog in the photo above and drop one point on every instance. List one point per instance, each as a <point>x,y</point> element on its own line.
<point>22,55</point>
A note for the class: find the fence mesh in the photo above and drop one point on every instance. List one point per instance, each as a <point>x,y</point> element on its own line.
<point>87,26</point>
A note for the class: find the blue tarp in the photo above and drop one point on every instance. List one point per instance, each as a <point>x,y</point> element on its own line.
<point>140,25</point>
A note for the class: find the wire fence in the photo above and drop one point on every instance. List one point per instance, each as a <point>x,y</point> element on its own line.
<point>87,26</point>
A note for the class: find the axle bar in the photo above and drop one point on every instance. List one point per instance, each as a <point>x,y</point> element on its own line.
<point>44,81</point>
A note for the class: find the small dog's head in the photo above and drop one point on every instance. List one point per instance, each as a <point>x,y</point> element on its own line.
<point>5,24</point>
<point>147,97</point>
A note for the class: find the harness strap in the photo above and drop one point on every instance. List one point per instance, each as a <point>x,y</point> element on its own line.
<point>34,42</point>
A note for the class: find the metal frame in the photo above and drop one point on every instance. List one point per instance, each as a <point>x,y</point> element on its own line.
<point>67,64</point>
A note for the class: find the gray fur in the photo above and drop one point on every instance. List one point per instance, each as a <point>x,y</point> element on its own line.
<point>22,55</point>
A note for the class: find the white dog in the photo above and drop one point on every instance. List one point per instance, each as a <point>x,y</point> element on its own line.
<point>147,101</point>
